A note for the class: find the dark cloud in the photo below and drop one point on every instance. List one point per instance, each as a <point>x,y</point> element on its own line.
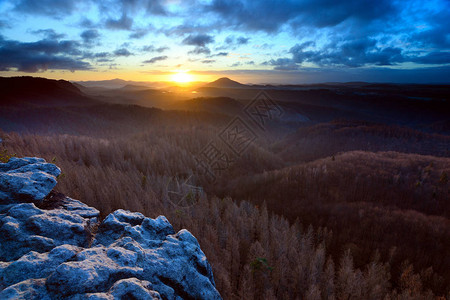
<point>155,59</point>
<point>125,45</point>
<point>48,46</point>
<point>161,49</point>
<point>122,52</point>
<point>87,23</point>
<point>264,46</point>
<point>232,42</point>
<point>433,58</point>
<point>182,30</point>
<point>229,40</point>
<point>49,34</point>
<point>271,15</point>
<point>90,36</point>
<point>113,66</point>
<point>151,48</point>
<point>242,40</point>
<point>99,56</point>
<point>156,7</point>
<point>199,40</point>
<point>40,56</point>
<point>4,24</point>
<point>200,50</point>
<point>150,7</point>
<point>124,23</point>
<point>436,34</point>
<point>62,8</point>
<point>47,7</point>
<point>353,53</point>
<point>220,54</point>
<point>349,33</point>
<point>285,64</point>
<point>208,61</point>
<point>138,34</point>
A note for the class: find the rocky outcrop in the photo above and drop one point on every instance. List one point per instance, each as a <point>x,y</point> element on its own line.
<point>26,179</point>
<point>55,247</point>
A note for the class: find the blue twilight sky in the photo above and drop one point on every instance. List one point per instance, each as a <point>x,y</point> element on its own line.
<point>270,41</point>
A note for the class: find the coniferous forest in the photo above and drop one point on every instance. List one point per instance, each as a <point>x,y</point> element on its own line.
<point>343,195</point>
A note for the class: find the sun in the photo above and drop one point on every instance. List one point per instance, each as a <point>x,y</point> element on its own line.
<point>182,77</point>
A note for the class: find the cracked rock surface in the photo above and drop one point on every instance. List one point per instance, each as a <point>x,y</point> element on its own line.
<point>54,247</point>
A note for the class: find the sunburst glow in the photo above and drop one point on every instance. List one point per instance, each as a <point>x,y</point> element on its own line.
<point>182,77</point>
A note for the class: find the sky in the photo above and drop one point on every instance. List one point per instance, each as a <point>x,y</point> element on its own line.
<point>274,41</point>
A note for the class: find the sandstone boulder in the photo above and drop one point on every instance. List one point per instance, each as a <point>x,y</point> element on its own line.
<point>55,247</point>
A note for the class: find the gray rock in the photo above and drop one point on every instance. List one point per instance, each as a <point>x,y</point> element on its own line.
<point>79,208</point>
<point>29,179</point>
<point>49,249</point>
<point>173,263</point>
<point>130,288</point>
<point>24,228</point>
<point>93,271</point>
<point>31,289</point>
<point>34,265</point>
<point>133,288</point>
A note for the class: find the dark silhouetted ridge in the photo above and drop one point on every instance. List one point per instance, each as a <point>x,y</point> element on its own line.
<point>225,82</point>
<point>36,90</point>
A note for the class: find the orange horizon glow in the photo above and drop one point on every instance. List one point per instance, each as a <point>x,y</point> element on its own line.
<point>182,77</point>
<point>196,76</point>
<point>178,76</point>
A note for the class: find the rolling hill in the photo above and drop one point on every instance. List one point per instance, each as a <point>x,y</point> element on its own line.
<point>41,91</point>
<point>225,82</point>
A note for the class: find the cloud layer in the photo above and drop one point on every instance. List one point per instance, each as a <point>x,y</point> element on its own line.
<point>41,55</point>
<point>281,35</point>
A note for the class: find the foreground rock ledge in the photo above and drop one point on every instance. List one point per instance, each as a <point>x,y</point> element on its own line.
<point>54,247</point>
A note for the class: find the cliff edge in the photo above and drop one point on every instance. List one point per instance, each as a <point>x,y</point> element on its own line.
<point>55,247</point>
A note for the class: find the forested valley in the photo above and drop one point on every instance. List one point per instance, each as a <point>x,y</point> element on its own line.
<point>325,203</point>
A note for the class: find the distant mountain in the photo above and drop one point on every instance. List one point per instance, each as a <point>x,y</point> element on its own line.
<point>225,82</point>
<point>110,84</point>
<point>133,87</point>
<point>120,83</point>
<point>78,86</point>
<point>41,91</point>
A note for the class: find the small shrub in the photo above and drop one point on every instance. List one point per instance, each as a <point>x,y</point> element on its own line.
<point>5,156</point>
<point>260,264</point>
